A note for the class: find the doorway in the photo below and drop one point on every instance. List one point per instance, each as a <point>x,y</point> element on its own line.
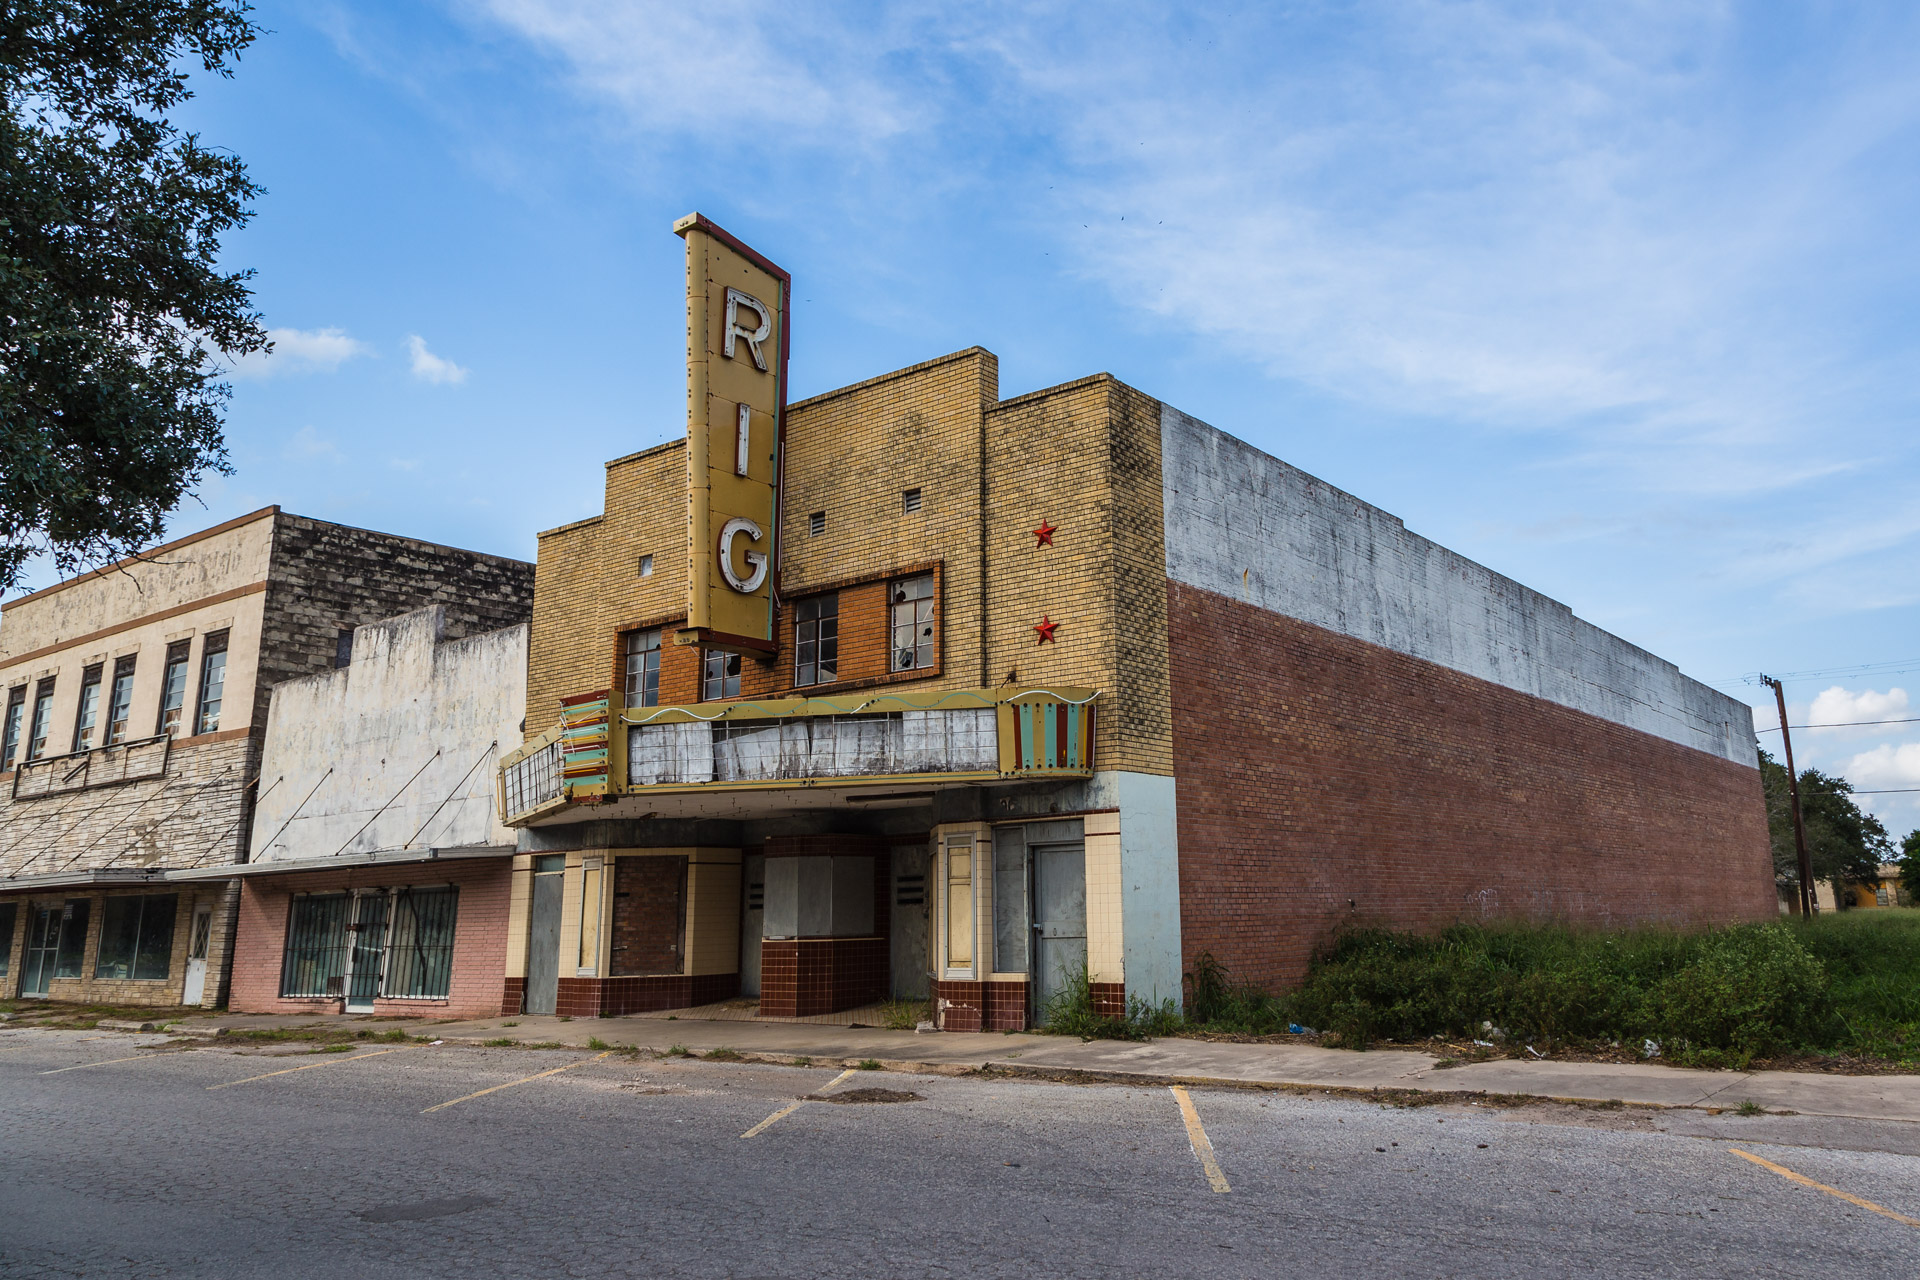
<point>43,945</point>
<point>911,946</point>
<point>366,950</point>
<point>753,914</point>
<point>543,934</point>
<point>1059,920</point>
<point>199,939</point>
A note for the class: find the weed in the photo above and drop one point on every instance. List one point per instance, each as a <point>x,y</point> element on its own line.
<point>905,1015</point>
<point>1750,1108</point>
<point>510,1024</point>
<point>546,1044</point>
<point>800,1062</point>
<point>595,1042</point>
<point>677,1051</point>
<point>865,1064</point>
<point>333,1048</point>
<point>393,1035</point>
<point>504,1042</point>
<point>722,1055</point>
<point>566,1017</point>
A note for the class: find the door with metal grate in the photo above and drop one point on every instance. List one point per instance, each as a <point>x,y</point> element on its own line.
<point>368,952</point>
<point>1059,920</point>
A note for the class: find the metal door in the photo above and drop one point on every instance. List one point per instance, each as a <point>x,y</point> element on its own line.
<point>912,954</point>
<point>43,944</point>
<point>753,915</point>
<point>543,934</point>
<point>366,951</point>
<point>1059,920</point>
<point>195,989</point>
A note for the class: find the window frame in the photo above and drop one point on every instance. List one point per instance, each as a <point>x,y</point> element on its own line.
<point>651,658</point>
<point>814,636</point>
<point>214,646</point>
<point>86,712</point>
<point>178,659</point>
<point>13,721</point>
<point>929,660</point>
<point>120,709</point>
<point>707,678</point>
<point>76,916</point>
<point>143,929</point>
<point>40,722</point>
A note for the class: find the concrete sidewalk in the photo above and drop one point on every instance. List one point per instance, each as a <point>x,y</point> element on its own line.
<point>1174,1060</point>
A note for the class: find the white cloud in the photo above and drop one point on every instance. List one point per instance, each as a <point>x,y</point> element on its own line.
<point>429,367</point>
<point>308,445</point>
<point>1886,766</point>
<point>301,351</point>
<point>1838,706</point>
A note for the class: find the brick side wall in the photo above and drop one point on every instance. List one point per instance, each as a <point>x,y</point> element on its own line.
<point>325,577</point>
<point>478,988</point>
<point>1323,782</point>
<point>649,916</point>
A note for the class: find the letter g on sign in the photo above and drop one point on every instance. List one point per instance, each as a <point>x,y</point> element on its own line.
<point>756,560</point>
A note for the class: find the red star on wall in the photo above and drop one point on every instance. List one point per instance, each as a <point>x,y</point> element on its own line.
<point>1046,629</point>
<point>1043,536</point>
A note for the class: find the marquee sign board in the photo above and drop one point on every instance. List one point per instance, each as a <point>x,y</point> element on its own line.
<point>737,309</point>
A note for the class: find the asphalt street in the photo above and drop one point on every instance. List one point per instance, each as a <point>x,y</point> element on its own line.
<point>124,1157</point>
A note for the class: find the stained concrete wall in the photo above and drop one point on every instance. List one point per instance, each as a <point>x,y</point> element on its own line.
<point>1250,527</point>
<point>343,749</point>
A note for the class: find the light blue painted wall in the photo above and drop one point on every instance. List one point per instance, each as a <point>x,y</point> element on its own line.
<point>1149,885</point>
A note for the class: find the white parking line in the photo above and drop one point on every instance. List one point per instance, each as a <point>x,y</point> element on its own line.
<point>331,1062</point>
<point>109,1062</point>
<point>538,1075</point>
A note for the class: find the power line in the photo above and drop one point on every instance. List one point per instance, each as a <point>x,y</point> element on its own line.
<point>1841,724</point>
<point>1894,667</point>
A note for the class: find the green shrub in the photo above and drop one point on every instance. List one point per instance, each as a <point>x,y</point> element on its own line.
<point>1749,991</point>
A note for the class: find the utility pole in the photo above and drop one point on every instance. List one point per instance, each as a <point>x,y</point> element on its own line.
<point>1793,790</point>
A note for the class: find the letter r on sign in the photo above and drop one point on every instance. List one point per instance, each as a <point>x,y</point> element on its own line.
<point>754,337</point>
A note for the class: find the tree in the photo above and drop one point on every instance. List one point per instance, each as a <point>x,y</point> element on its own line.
<point>1910,866</point>
<point>1845,845</point>
<point>114,312</point>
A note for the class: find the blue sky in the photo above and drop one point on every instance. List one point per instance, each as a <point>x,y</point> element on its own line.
<point>1616,299</point>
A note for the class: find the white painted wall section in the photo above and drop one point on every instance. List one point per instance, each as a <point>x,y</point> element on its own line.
<point>398,750</point>
<point>1247,525</point>
<point>1149,886</point>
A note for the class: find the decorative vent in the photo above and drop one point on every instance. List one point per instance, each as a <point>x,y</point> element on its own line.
<point>910,501</point>
<point>817,524</point>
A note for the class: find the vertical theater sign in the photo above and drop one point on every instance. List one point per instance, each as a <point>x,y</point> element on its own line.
<point>737,314</point>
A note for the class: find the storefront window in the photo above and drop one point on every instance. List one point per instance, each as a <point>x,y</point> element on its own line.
<point>136,937</point>
<point>8,912</point>
<point>404,949</point>
<point>420,953</point>
<point>316,959</point>
<point>73,939</point>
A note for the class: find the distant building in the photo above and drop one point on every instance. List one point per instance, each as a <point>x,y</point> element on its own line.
<point>134,703</point>
<point>379,872</point>
<point>951,695</point>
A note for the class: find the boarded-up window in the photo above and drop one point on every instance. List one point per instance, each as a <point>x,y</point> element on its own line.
<point>649,915</point>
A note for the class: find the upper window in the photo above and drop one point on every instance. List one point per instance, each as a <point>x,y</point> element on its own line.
<point>913,623</point>
<point>16,717</point>
<point>643,668</point>
<point>213,682</point>
<point>87,719</point>
<point>42,720</point>
<point>136,937</point>
<point>173,689</point>
<point>720,675</point>
<point>816,641</point>
<point>646,566</point>
<point>120,700</point>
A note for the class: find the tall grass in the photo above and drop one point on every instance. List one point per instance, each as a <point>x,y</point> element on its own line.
<point>1845,984</point>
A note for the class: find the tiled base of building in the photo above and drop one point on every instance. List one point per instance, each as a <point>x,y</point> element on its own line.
<point>1109,999</point>
<point>801,977</point>
<point>1336,783</point>
<point>512,997</point>
<point>980,1006</point>
<point>610,997</point>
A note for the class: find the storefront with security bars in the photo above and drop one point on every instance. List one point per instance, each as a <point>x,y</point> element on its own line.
<point>415,938</point>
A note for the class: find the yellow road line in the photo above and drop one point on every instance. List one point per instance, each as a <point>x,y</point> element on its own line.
<point>330,1062</point>
<point>1804,1181</point>
<point>539,1075</point>
<point>109,1062</point>
<point>792,1107</point>
<point>1197,1138</point>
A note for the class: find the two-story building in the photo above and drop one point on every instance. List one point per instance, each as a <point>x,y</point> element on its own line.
<point>910,689</point>
<point>133,702</point>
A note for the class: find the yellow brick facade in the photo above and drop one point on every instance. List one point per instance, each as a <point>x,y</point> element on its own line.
<point>1083,457</point>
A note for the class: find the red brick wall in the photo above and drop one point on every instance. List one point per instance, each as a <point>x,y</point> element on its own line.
<point>649,915</point>
<point>1322,782</point>
<point>478,988</point>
